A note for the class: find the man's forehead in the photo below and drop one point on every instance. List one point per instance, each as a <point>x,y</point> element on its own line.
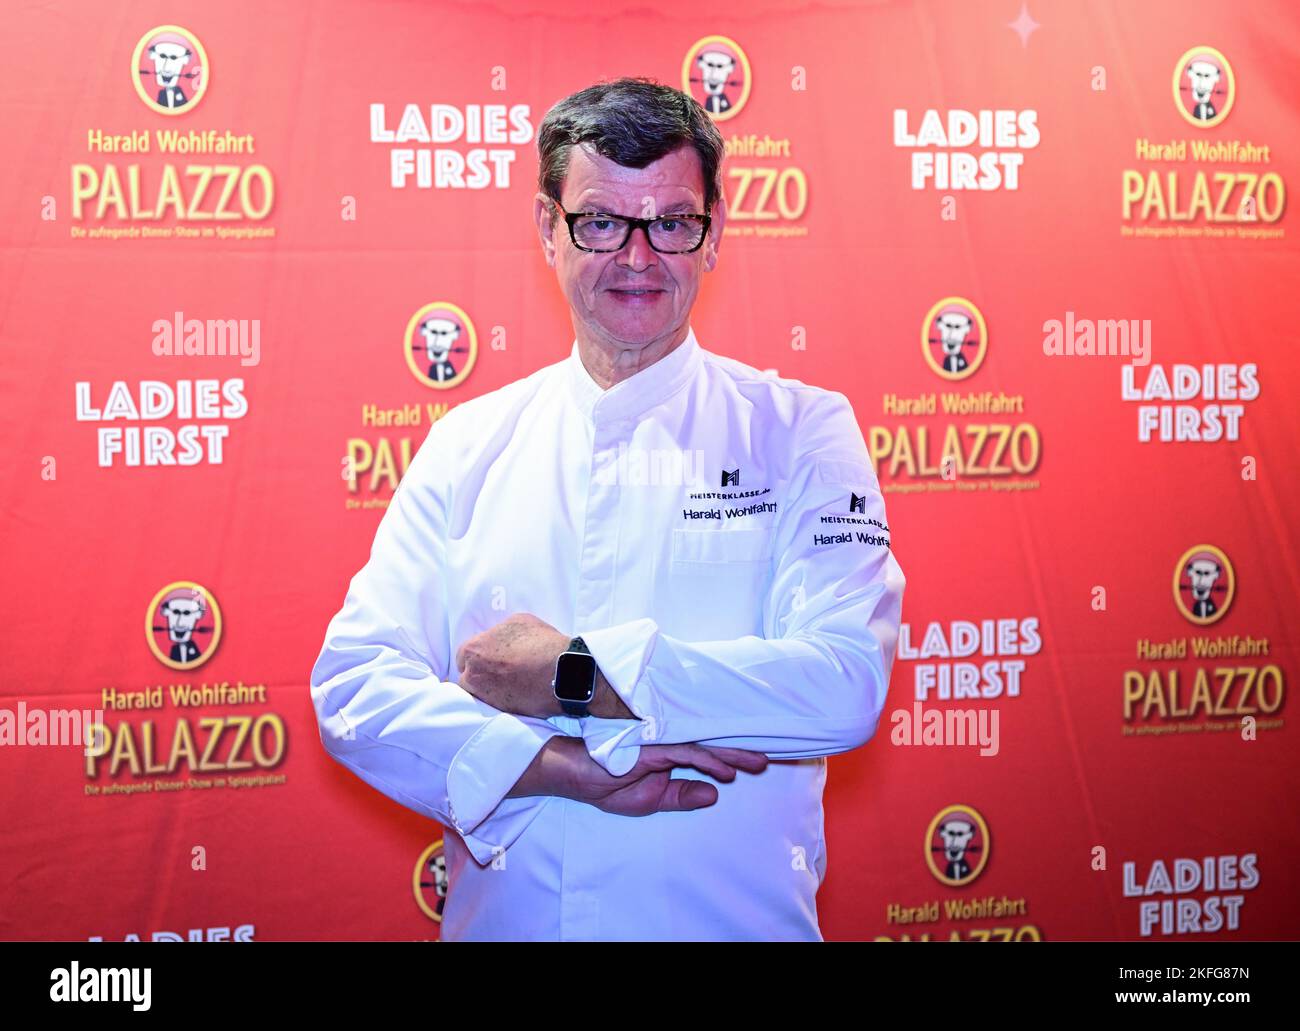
<point>675,176</point>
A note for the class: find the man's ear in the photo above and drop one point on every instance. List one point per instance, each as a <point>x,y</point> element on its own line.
<point>714,240</point>
<point>543,214</point>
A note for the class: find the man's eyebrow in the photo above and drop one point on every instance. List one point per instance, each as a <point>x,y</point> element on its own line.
<point>609,207</point>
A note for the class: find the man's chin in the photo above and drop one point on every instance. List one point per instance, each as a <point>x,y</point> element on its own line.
<point>631,328</point>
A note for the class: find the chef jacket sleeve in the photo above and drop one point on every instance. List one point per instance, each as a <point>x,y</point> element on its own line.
<point>815,682</point>
<point>383,710</point>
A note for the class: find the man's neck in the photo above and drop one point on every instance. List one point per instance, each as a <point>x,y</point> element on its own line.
<point>610,361</point>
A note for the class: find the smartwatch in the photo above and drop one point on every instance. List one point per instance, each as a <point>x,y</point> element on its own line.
<point>575,678</point>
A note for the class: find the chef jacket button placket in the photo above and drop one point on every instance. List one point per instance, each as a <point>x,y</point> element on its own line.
<point>580,863</point>
<point>597,558</point>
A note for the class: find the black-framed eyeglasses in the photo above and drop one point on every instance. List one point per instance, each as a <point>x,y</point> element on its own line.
<point>601,233</point>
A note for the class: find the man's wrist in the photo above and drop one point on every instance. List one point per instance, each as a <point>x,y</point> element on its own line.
<point>554,770</point>
<point>607,704</point>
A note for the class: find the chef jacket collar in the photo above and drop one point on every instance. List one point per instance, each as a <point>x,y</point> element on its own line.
<point>641,391</point>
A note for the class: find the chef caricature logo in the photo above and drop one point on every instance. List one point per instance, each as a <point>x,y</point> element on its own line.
<point>716,72</point>
<point>441,345</point>
<point>957,845</point>
<point>430,881</point>
<point>1204,584</point>
<point>183,625</point>
<point>954,338</point>
<point>1204,87</point>
<point>170,70</point>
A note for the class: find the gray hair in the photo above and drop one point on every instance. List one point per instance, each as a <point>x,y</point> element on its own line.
<point>632,122</point>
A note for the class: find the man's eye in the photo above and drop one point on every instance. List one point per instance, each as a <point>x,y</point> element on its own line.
<point>670,225</point>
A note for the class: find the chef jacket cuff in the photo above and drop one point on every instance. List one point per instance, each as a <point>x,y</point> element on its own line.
<point>484,770</point>
<point>623,652</point>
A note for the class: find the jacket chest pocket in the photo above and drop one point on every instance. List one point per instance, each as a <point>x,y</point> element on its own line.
<point>718,551</point>
<point>717,580</point>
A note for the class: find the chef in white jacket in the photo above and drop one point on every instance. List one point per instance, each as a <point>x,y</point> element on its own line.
<point>618,612</point>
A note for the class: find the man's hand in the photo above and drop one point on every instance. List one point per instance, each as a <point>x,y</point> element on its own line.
<point>510,667</point>
<point>564,768</point>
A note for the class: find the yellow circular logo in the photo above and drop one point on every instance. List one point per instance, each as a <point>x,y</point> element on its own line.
<point>957,845</point>
<point>1204,87</point>
<point>170,70</point>
<point>441,345</point>
<point>954,338</point>
<point>183,625</point>
<point>715,71</point>
<point>1204,584</point>
<point>430,881</point>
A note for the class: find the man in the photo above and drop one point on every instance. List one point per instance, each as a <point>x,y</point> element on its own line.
<point>1203,573</point>
<point>954,327</point>
<point>1204,77</point>
<point>170,56</point>
<point>715,74</point>
<point>956,834</point>
<point>183,608</point>
<point>440,336</point>
<point>721,640</point>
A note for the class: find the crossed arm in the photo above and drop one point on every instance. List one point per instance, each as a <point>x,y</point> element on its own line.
<point>482,756</point>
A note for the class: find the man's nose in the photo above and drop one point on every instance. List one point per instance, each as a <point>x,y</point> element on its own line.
<point>637,252</point>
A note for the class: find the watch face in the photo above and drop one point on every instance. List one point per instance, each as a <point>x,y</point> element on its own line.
<point>575,677</point>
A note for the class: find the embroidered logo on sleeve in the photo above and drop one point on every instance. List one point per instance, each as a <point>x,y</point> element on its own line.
<point>850,508</point>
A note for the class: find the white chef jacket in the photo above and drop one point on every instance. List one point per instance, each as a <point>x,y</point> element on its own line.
<point>762,614</point>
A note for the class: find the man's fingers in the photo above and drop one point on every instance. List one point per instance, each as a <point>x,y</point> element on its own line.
<point>684,795</point>
<point>649,786</point>
<point>741,758</point>
<point>669,756</point>
<point>720,763</point>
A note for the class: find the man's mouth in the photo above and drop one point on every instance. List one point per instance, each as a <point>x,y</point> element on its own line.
<point>636,295</point>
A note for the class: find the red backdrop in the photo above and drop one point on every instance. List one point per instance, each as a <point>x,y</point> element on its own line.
<point>1100,198</point>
